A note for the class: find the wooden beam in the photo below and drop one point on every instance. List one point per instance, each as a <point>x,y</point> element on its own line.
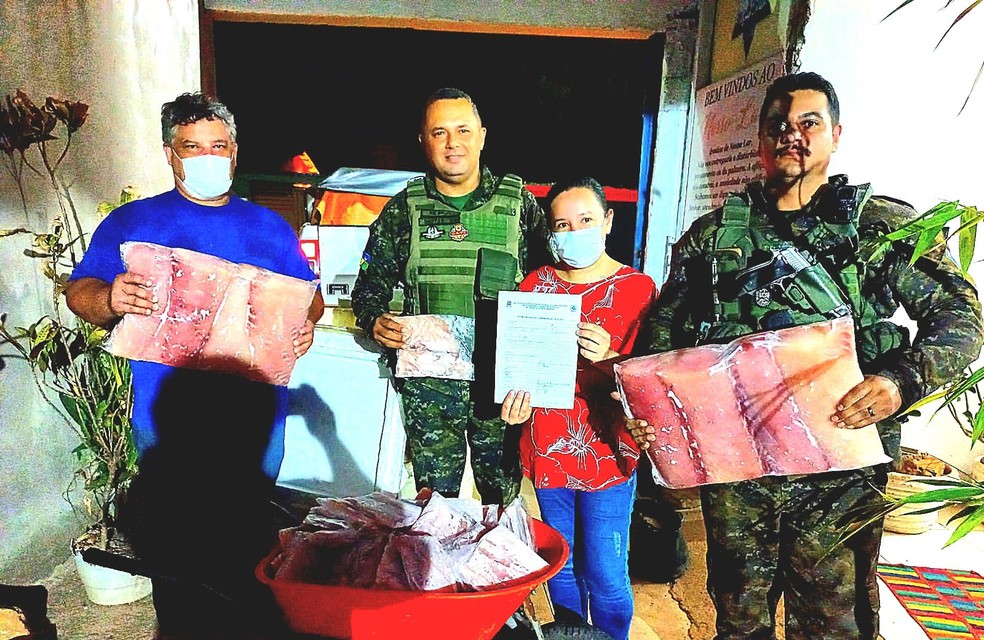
<point>206,44</point>
<point>427,24</point>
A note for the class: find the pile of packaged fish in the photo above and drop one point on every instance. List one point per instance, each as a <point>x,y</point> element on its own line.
<point>382,542</point>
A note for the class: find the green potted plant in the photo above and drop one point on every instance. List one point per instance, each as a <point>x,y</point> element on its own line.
<point>87,386</point>
<point>961,495</point>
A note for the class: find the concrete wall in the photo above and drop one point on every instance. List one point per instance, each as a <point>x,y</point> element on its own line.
<point>902,126</point>
<point>124,59</point>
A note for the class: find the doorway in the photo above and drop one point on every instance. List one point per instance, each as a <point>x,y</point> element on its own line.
<point>351,97</point>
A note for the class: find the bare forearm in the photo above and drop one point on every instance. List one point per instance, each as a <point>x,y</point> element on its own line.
<point>317,308</point>
<point>103,303</point>
<point>89,299</point>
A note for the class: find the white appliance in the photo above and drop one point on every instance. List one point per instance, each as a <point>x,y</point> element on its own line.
<point>345,432</point>
<point>341,252</point>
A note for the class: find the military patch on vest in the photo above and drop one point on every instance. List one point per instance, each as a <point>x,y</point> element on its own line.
<point>503,211</point>
<point>431,233</point>
<point>763,297</point>
<point>364,262</point>
<point>439,218</point>
<point>458,232</point>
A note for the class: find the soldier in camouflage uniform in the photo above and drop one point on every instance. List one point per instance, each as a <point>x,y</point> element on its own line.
<point>426,240</point>
<point>768,537</point>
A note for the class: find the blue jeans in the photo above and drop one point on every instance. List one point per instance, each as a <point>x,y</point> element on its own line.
<point>595,579</point>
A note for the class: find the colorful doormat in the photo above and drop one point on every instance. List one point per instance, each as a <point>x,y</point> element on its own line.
<point>947,603</point>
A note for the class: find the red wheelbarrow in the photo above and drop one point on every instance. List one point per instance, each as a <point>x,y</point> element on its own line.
<point>349,613</point>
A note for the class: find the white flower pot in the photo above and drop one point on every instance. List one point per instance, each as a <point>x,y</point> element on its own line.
<point>903,520</point>
<point>108,586</point>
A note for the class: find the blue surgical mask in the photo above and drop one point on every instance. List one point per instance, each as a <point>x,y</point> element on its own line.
<point>580,248</point>
<point>207,176</point>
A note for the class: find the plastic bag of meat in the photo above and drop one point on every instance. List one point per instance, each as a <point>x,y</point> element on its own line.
<point>440,519</point>
<point>499,557</point>
<point>418,563</point>
<point>759,405</point>
<point>516,517</point>
<point>436,346</point>
<point>312,556</point>
<point>376,510</point>
<point>213,314</point>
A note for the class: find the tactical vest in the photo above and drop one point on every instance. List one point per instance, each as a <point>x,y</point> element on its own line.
<point>444,244</point>
<point>763,281</point>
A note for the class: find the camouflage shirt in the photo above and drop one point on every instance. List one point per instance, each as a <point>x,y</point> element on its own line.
<point>388,248</point>
<point>941,302</point>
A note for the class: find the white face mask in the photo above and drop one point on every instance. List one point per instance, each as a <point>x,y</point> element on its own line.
<point>207,176</point>
<point>580,248</point>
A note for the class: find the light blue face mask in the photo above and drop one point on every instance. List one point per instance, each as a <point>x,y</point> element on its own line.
<point>580,248</point>
<point>207,176</point>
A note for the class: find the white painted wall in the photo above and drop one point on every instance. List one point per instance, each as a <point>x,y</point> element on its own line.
<point>900,100</point>
<point>124,58</point>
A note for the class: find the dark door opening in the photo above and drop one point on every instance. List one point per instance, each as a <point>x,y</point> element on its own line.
<point>351,97</point>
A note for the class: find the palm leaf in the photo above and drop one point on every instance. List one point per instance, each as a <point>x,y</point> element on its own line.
<point>977,428</point>
<point>949,394</point>
<point>944,481</point>
<point>960,17</point>
<point>928,240</point>
<point>968,525</point>
<point>967,234</point>
<point>973,85</point>
<point>935,218</point>
<point>954,494</point>
<point>895,10</point>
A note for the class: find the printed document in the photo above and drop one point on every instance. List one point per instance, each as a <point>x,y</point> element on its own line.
<point>536,347</point>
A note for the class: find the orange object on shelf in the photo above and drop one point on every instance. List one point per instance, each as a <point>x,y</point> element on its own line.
<point>345,208</point>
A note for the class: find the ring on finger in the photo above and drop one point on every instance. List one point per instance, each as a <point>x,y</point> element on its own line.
<point>871,412</point>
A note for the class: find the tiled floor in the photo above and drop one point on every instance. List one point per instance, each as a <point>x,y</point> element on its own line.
<point>924,550</point>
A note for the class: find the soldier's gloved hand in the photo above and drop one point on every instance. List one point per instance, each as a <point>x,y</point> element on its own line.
<point>874,398</point>
<point>387,331</point>
<point>594,343</point>
<point>516,407</point>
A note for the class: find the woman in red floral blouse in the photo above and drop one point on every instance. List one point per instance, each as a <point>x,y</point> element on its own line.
<point>582,461</point>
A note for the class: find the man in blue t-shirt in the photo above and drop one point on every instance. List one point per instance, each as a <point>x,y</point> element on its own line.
<point>210,445</point>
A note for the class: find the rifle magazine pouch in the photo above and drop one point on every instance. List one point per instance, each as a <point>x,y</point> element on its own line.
<point>495,271</point>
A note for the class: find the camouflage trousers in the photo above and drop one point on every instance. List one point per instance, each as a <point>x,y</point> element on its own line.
<point>773,536</point>
<point>439,418</point>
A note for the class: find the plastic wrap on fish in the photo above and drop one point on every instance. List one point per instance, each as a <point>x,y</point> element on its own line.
<point>436,346</point>
<point>759,405</point>
<point>213,314</point>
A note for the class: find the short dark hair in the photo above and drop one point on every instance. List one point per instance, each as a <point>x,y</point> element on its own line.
<point>805,80</point>
<point>447,93</point>
<point>189,108</point>
<point>584,182</point>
